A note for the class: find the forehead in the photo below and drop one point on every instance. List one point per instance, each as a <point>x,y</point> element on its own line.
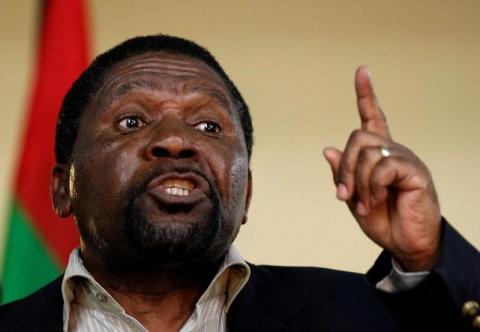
<point>161,71</point>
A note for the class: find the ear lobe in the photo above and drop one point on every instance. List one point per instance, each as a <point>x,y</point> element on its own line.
<point>59,190</point>
<point>248,197</point>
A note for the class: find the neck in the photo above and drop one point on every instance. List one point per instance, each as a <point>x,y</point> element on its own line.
<point>161,299</point>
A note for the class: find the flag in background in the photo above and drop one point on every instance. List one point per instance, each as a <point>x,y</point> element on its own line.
<point>38,243</point>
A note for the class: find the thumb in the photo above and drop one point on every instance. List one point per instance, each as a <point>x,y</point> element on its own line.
<point>333,157</point>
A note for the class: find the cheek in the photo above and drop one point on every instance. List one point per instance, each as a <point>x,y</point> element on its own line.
<point>230,166</point>
<point>124,169</point>
<point>101,174</point>
<point>239,180</point>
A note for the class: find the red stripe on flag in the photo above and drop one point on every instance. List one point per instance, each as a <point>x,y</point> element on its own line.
<point>62,57</point>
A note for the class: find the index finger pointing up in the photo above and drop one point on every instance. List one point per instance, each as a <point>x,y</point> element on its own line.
<point>373,119</point>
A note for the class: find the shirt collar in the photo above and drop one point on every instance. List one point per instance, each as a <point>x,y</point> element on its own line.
<point>231,277</point>
<point>79,285</point>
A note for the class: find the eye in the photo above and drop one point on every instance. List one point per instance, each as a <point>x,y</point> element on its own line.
<point>131,122</point>
<point>209,127</point>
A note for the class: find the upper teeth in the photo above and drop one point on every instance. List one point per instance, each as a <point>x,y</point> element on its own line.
<point>177,191</point>
<point>178,187</point>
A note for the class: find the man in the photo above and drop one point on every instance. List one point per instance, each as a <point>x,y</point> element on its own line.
<point>153,147</point>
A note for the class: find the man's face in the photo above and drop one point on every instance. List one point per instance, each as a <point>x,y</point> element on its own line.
<point>159,169</point>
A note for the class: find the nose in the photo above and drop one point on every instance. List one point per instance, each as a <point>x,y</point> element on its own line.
<point>170,139</point>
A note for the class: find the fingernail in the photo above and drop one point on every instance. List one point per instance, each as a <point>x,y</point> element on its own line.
<point>361,210</point>
<point>342,191</point>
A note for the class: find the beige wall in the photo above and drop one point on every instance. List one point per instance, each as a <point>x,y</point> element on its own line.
<point>294,62</point>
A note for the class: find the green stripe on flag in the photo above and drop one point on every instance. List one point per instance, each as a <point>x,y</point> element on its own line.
<point>28,264</point>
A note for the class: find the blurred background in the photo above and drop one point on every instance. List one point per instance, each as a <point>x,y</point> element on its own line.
<point>294,63</point>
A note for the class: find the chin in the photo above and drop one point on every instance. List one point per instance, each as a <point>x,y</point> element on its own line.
<point>177,240</point>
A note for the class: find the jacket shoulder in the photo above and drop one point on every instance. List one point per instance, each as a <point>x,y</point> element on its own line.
<point>315,281</point>
<point>40,311</point>
<point>329,299</point>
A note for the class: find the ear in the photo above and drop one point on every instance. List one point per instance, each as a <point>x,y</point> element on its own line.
<point>248,197</point>
<point>60,190</point>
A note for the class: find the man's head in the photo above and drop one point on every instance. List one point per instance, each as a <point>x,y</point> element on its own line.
<point>153,145</point>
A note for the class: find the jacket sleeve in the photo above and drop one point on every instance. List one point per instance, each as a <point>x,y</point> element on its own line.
<point>448,299</point>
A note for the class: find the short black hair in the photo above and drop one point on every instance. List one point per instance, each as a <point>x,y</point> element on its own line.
<point>89,82</point>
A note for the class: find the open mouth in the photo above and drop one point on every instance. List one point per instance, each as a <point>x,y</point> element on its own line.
<point>177,187</point>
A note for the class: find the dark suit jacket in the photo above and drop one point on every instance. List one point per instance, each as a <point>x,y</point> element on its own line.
<point>314,299</point>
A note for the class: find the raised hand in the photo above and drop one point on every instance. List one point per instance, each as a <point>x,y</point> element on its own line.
<point>388,189</point>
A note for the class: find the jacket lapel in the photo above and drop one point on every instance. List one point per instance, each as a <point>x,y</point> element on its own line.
<point>264,304</point>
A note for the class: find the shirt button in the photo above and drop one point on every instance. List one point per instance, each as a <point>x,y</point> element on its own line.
<point>470,309</point>
<point>476,323</point>
<point>101,297</point>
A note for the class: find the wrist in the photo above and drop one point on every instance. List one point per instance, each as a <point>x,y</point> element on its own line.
<point>417,262</point>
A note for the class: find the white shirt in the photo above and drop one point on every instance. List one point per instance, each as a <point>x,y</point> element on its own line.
<point>89,307</point>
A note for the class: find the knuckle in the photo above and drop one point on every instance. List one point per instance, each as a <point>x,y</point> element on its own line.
<point>356,135</point>
<point>420,181</point>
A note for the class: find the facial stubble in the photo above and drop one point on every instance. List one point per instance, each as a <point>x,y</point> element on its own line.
<point>171,244</point>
